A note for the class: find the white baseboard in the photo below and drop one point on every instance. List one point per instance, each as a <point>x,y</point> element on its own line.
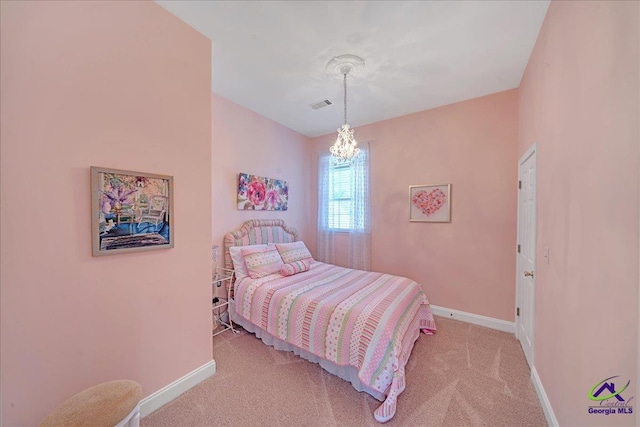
<point>544,400</point>
<point>476,319</point>
<point>176,388</point>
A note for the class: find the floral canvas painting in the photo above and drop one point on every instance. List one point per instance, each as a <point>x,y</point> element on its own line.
<point>262,194</point>
<point>131,211</point>
<point>430,203</point>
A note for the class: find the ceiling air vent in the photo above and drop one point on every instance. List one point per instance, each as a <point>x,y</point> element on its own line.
<point>321,104</point>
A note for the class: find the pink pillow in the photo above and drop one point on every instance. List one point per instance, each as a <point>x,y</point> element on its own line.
<point>262,261</point>
<point>238,261</point>
<point>291,252</point>
<point>295,267</point>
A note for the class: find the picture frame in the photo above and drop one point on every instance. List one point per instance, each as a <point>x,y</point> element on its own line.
<point>130,211</point>
<point>259,193</point>
<point>430,203</point>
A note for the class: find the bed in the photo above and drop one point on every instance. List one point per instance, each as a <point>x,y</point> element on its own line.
<point>358,325</point>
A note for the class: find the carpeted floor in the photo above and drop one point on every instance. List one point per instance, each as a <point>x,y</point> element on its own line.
<point>464,375</point>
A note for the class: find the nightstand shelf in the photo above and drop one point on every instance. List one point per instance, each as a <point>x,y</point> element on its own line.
<point>220,305</point>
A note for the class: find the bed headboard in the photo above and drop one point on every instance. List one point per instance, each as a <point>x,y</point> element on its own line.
<point>255,232</point>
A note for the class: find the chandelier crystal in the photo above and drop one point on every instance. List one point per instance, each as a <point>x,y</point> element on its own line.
<point>345,149</point>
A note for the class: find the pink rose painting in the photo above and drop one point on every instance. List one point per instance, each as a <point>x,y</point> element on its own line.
<point>262,194</point>
<point>430,203</point>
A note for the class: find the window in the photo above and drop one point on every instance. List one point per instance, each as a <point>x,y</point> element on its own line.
<point>340,198</point>
<point>343,194</point>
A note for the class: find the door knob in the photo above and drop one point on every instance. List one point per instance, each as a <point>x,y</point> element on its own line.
<point>528,274</point>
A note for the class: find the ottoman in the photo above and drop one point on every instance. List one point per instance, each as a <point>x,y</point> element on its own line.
<point>114,403</point>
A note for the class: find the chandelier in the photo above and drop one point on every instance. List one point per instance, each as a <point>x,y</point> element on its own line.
<point>345,149</point>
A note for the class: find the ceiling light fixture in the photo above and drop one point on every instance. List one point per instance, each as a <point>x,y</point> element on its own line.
<point>344,149</point>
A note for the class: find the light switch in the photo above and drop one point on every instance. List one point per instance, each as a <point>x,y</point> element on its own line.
<point>546,255</point>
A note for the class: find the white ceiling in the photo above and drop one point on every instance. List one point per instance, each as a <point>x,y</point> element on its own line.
<point>270,56</point>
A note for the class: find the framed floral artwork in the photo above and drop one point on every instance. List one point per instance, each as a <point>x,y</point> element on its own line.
<point>130,211</point>
<point>430,203</point>
<point>259,193</point>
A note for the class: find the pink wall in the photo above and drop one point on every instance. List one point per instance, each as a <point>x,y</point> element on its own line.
<point>115,84</point>
<point>468,264</point>
<point>244,141</point>
<point>579,102</point>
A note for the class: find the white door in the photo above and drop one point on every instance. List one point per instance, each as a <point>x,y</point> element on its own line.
<point>526,261</point>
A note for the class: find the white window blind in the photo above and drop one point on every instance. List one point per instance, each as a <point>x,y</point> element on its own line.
<point>340,198</point>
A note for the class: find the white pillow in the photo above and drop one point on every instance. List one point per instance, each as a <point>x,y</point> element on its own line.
<point>238,261</point>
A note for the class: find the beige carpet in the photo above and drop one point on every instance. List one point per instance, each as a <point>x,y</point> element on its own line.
<point>464,375</point>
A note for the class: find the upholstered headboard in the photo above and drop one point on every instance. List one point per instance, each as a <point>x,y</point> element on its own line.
<point>255,232</point>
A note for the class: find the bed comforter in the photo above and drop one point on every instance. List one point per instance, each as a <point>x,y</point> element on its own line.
<point>349,317</point>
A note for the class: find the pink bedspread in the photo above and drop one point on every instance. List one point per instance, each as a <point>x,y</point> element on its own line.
<point>349,317</point>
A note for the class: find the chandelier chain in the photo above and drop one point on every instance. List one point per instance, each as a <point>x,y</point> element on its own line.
<point>345,98</point>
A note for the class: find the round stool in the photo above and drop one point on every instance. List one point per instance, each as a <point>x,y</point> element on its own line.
<point>114,403</point>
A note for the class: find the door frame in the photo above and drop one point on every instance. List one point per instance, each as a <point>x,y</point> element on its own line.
<point>532,151</point>
<point>638,343</point>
